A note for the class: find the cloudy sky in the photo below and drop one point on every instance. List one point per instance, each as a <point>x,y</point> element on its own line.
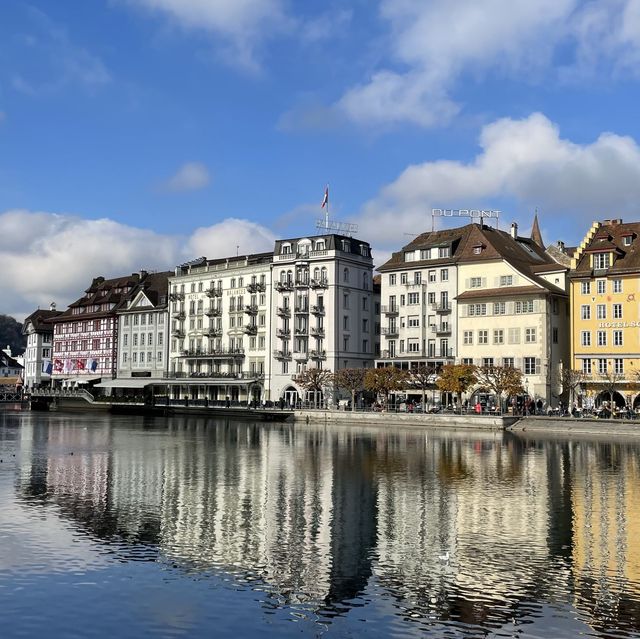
<point>142,133</point>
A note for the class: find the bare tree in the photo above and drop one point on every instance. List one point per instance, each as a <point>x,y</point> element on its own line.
<point>314,380</point>
<point>385,380</point>
<point>350,380</point>
<point>610,380</point>
<point>571,380</point>
<point>502,380</point>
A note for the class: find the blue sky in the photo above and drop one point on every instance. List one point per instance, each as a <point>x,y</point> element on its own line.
<point>138,133</point>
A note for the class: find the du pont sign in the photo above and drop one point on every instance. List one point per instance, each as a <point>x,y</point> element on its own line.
<point>482,213</point>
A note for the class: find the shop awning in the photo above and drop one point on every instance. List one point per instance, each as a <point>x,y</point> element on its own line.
<point>81,379</point>
<point>130,382</point>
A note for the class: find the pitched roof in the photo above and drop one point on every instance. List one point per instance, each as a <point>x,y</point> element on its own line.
<point>504,291</point>
<point>609,237</point>
<point>155,287</point>
<point>39,320</point>
<point>6,361</point>
<point>536,235</point>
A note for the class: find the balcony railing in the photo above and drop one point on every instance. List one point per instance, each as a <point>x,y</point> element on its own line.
<point>213,352</point>
<point>256,287</point>
<point>283,332</point>
<point>301,309</point>
<point>317,331</point>
<point>389,331</point>
<point>317,310</point>
<point>318,354</point>
<point>319,283</point>
<point>392,309</point>
<point>302,283</point>
<point>251,329</point>
<point>440,329</point>
<point>251,309</point>
<point>211,375</point>
<point>213,312</point>
<point>284,311</point>
<point>283,286</point>
<point>180,315</point>
<point>301,356</point>
<point>302,331</point>
<point>446,353</point>
<point>284,355</point>
<point>214,332</point>
<point>441,307</point>
<point>215,291</point>
<point>174,297</point>
<point>177,332</point>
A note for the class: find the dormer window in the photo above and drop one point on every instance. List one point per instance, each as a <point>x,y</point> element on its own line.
<point>346,246</point>
<point>601,261</point>
<point>286,249</point>
<point>627,238</point>
<point>364,250</point>
<point>443,251</point>
<point>320,245</point>
<point>478,248</point>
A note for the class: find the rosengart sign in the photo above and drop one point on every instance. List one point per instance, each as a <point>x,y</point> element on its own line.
<point>619,325</point>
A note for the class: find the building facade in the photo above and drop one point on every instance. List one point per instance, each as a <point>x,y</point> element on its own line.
<point>38,363</point>
<point>605,289</point>
<point>513,308</point>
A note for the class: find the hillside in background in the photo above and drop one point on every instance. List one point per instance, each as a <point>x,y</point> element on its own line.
<point>11,334</point>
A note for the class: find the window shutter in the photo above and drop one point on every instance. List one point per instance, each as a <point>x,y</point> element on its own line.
<point>467,283</point>
<point>484,282</point>
<point>537,366</point>
<point>496,282</point>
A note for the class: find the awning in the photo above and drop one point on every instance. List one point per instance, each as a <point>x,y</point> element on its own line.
<point>81,379</point>
<point>130,382</point>
<point>221,381</point>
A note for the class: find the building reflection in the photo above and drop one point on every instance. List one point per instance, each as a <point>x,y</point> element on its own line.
<point>317,517</point>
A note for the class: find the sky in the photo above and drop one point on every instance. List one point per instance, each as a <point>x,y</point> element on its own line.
<point>144,133</point>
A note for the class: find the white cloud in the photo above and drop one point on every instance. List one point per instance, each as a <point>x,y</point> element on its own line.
<point>243,24</point>
<point>432,44</point>
<point>53,257</point>
<point>525,161</point>
<point>189,177</point>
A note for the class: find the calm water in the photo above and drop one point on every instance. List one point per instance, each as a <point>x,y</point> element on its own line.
<point>188,527</point>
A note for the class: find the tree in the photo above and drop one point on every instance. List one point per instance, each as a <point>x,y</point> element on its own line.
<point>571,379</point>
<point>610,381</point>
<point>350,380</point>
<point>314,380</point>
<point>501,380</point>
<point>456,378</point>
<point>11,335</point>
<point>385,380</point>
<point>422,378</point>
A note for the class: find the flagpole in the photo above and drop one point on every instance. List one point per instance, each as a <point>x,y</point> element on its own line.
<point>326,213</point>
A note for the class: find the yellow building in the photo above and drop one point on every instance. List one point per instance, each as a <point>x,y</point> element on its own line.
<point>605,292</point>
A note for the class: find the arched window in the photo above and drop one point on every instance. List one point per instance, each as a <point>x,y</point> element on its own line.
<point>283,276</point>
<point>323,274</point>
<point>316,273</point>
<point>290,277</point>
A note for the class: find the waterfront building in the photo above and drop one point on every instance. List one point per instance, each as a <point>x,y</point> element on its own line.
<point>38,362</point>
<point>10,368</point>
<point>85,335</point>
<point>605,288</point>
<point>419,285</point>
<point>513,308</point>
<point>243,328</point>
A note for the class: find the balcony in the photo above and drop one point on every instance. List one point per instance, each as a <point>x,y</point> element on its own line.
<point>318,355</point>
<point>301,309</point>
<point>390,331</point>
<point>214,292</point>
<point>317,310</point>
<point>317,331</point>
<point>283,287</point>
<point>392,309</point>
<point>284,311</point>
<point>319,284</point>
<point>251,309</point>
<point>282,355</point>
<point>250,329</point>
<point>301,356</point>
<point>214,332</point>
<point>225,353</point>
<point>285,333</point>
<point>302,284</point>
<point>302,331</point>
<point>175,297</point>
<point>211,375</point>
<point>180,315</point>
<point>256,287</point>
<point>213,312</point>
<point>442,307</point>
<point>440,329</point>
<point>177,332</point>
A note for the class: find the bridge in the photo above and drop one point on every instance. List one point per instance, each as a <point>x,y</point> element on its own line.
<point>10,395</point>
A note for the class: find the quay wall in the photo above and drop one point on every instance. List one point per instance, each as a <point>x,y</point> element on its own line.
<point>576,426</point>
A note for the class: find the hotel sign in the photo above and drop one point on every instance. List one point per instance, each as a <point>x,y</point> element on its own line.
<point>481,213</point>
<point>619,325</point>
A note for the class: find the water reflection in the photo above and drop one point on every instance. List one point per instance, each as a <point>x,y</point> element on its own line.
<point>451,532</point>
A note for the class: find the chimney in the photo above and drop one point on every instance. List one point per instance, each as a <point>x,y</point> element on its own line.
<point>52,306</point>
<point>514,230</point>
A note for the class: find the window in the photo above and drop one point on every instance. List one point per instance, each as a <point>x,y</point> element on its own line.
<point>345,322</point>
<point>404,278</point>
<point>514,336</point>
<point>413,346</point>
<point>554,333</point>
<point>413,321</point>
<point>443,251</point>
<point>626,240</point>
<point>159,356</point>
<point>417,277</point>
<point>617,286</point>
<point>392,279</point>
<point>125,340</point>
<point>135,339</point>
<point>529,366</point>
<point>345,342</point>
<point>487,362</point>
<point>525,306</point>
<point>499,308</point>
<point>365,346</point>
<point>498,336</point>
<point>617,338</point>
<point>585,312</point>
<point>477,309</point>
<point>345,300</point>
<point>134,357</point>
<point>414,298</point>
<point>444,275</point>
<point>508,362</point>
<point>602,366</point>
<point>601,311</point>
<point>475,282</point>
<point>618,366</point>
<point>365,325</point>
<point>467,337</point>
<point>601,287</point>
<point>506,280</point>
<point>126,320</point>
<point>432,276</point>
<point>125,357</point>
<point>585,338</point>
<point>602,338</point>
<point>586,366</point>
<point>529,335</point>
<point>483,337</point>
<point>617,311</point>
<point>601,261</point>
<point>468,361</point>
<point>585,288</point>
<point>160,336</point>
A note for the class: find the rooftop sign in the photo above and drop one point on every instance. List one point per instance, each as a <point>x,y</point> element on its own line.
<point>481,213</point>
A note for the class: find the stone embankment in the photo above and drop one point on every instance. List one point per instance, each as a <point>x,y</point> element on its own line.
<point>614,428</point>
<point>406,420</point>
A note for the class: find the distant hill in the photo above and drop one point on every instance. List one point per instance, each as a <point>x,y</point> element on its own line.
<point>11,334</point>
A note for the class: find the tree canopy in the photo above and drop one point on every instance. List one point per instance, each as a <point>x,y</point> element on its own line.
<point>11,335</point>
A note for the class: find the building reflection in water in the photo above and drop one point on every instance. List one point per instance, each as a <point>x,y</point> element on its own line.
<point>318,517</point>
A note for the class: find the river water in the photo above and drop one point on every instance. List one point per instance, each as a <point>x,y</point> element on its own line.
<point>192,527</point>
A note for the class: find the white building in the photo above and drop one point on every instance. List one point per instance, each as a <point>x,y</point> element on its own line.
<point>38,354</point>
<point>243,327</point>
